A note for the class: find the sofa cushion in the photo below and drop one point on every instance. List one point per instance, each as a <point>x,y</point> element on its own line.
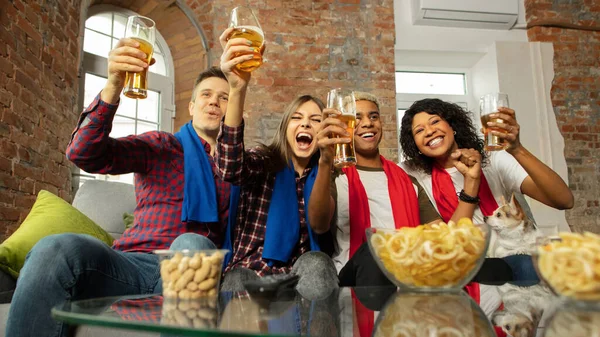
<point>49,215</point>
<point>7,287</point>
<point>105,202</point>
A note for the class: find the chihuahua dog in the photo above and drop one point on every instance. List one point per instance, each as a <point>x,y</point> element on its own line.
<point>517,234</point>
<point>523,306</point>
<point>523,309</point>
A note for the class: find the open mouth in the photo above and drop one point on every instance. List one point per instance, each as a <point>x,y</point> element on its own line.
<point>304,140</point>
<point>368,136</point>
<point>435,142</point>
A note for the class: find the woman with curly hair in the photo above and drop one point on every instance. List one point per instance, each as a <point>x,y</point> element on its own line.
<point>444,152</point>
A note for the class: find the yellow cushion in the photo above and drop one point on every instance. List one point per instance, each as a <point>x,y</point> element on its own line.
<point>49,215</point>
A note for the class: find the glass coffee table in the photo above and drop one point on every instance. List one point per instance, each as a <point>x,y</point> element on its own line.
<point>372,311</point>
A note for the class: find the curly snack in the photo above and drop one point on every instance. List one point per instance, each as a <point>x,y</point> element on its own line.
<point>571,266</point>
<point>438,255</point>
<point>189,275</point>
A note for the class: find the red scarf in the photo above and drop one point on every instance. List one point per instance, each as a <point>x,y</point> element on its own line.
<point>447,200</point>
<point>405,206</point>
<point>405,209</point>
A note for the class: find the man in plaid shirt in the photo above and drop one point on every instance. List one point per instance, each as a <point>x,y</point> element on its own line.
<point>72,267</point>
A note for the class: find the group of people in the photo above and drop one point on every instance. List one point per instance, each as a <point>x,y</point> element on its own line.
<point>279,207</point>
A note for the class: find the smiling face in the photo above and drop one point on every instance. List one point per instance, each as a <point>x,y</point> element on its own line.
<point>302,128</point>
<point>209,105</point>
<point>367,134</point>
<point>433,136</point>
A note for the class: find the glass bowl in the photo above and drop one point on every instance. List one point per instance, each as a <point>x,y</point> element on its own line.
<point>430,257</point>
<point>190,274</point>
<point>569,265</point>
<point>574,321</point>
<point>432,315</point>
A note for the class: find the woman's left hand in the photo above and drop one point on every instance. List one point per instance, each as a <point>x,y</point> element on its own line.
<point>235,51</point>
<point>510,126</point>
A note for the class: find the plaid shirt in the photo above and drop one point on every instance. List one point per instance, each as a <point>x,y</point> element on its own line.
<point>148,309</point>
<point>156,158</point>
<point>247,169</point>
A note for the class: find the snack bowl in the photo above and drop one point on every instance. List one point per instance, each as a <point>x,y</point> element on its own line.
<point>569,265</point>
<point>432,315</point>
<point>190,274</point>
<point>438,257</point>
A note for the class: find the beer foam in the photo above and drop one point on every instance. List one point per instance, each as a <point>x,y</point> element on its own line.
<point>254,28</point>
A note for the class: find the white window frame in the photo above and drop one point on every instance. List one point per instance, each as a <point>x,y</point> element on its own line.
<point>404,101</point>
<point>164,85</point>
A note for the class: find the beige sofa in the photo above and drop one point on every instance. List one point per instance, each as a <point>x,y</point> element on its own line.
<point>104,202</point>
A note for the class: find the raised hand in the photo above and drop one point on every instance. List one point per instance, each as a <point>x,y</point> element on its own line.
<point>235,51</point>
<point>510,126</point>
<point>126,56</point>
<point>333,131</point>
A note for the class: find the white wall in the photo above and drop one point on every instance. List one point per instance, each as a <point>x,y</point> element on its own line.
<point>484,77</point>
<point>525,72</point>
<point>411,37</point>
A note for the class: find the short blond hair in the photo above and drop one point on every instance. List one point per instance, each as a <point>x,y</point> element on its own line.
<point>365,96</point>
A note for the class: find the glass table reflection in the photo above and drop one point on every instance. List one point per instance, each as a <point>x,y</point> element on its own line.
<point>369,311</point>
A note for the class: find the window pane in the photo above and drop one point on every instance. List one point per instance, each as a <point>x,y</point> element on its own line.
<point>93,86</point>
<point>123,178</point>
<point>148,108</point>
<point>114,43</point>
<point>159,67</point>
<point>126,107</point>
<point>99,22</point>
<point>119,26</point>
<point>430,83</point>
<point>96,43</point>
<point>145,127</point>
<point>122,127</point>
<point>157,48</point>
<point>399,117</point>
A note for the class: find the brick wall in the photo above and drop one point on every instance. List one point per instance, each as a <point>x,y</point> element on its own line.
<point>38,94</point>
<point>574,29</point>
<point>312,45</point>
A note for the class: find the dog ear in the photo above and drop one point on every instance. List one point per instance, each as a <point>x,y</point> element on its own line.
<point>516,206</point>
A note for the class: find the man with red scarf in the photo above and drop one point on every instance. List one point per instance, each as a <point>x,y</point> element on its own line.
<point>376,193</point>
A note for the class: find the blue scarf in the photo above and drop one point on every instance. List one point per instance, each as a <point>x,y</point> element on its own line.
<point>282,232</point>
<point>283,220</point>
<point>199,190</point>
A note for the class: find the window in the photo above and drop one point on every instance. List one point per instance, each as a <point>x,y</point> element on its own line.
<point>103,29</point>
<point>430,83</point>
<point>413,85</point>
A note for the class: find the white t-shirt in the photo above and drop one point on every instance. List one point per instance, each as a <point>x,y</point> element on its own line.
<point>380,207</point>
<point>503,174</point>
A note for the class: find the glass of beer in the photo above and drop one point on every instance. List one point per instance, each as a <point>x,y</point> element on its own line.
<point>343,101</point>
<point>245,25</point>
<point>489,104</point>
<point>141,29</point>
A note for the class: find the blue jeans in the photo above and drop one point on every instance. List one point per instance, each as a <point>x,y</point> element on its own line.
<point>70,267</point>
<point>523,271</point>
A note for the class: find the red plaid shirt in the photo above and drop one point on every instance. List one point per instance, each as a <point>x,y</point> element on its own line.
<point>156,158</point>
<point>247,169</point>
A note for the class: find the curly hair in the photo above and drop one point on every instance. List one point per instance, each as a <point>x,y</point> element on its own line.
<point>465,132</point>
